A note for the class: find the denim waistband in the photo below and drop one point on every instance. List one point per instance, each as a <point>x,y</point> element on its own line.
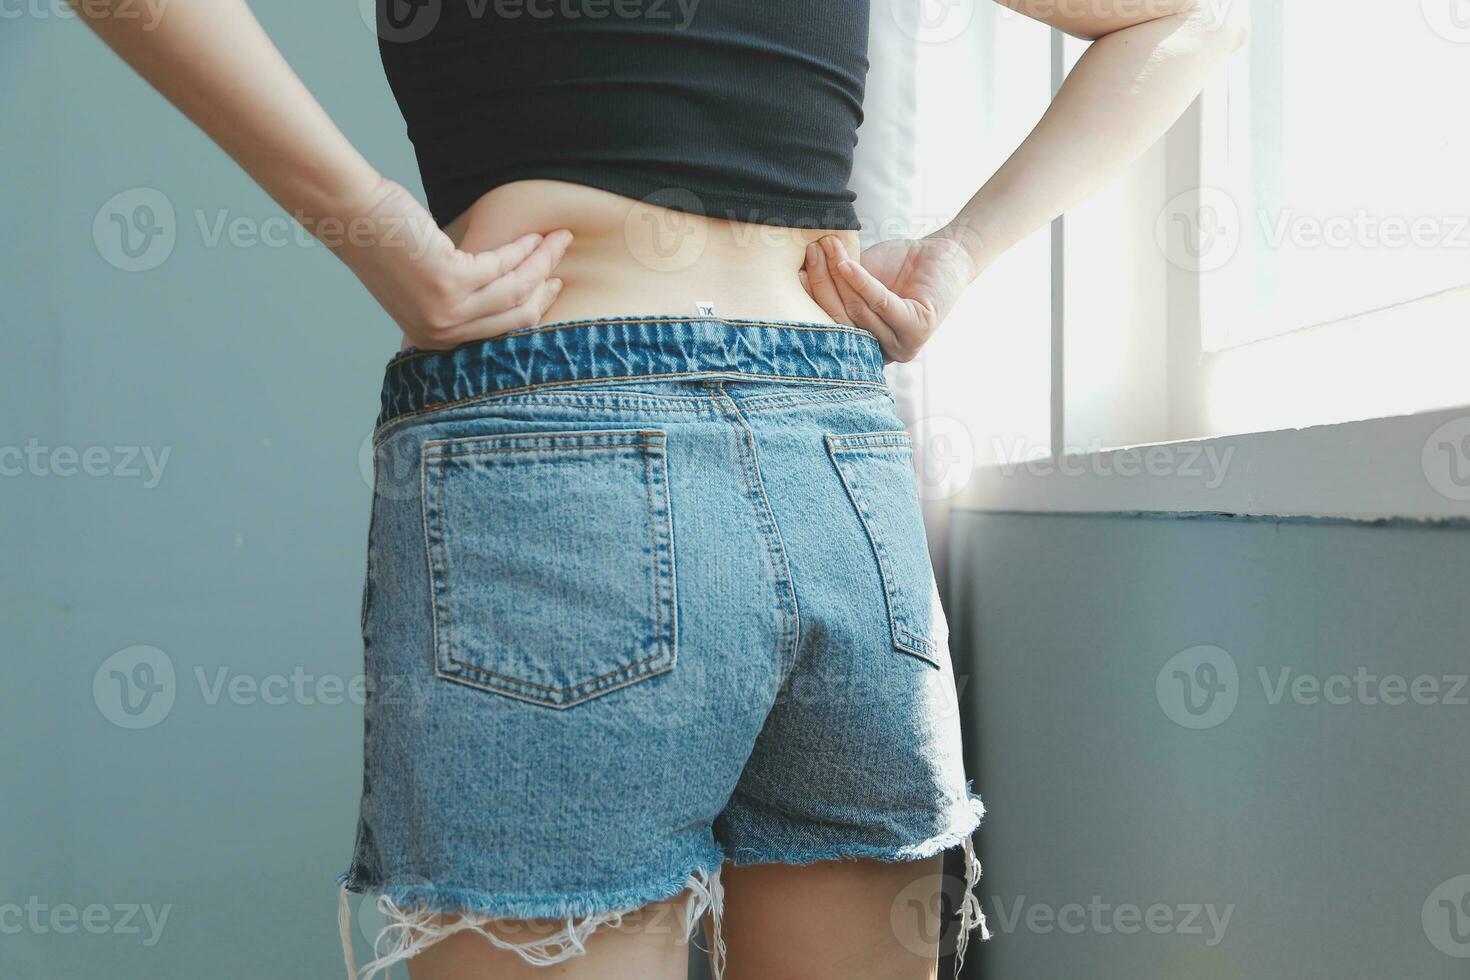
<point>579,351</point>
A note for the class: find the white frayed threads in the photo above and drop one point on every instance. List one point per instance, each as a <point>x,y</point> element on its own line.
<point>707,894</point>
<point>972,916</point>
<point>411,931</point>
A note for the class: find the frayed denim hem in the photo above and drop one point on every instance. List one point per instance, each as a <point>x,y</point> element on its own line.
<point>971,915</point>
<point>421,915</point>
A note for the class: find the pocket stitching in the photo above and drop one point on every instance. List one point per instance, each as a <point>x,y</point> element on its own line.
<point>591,439</point>
<point>837,445</point>
<point>649,443</point>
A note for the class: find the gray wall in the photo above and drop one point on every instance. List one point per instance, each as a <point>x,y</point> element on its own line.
<point>256,368</point>
<point>1333,834</point>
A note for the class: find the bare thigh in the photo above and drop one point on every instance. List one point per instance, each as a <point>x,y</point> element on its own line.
<point>835,920</point>
<point>649,945</point>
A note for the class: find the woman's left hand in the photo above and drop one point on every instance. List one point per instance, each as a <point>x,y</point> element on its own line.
<point>900,292</point>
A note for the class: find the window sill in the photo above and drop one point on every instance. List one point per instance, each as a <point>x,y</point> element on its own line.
<point>1409,466</point>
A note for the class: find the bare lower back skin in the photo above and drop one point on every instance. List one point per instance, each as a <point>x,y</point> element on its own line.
<point>629,258</point>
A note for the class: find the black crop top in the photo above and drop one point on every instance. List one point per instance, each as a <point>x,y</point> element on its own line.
<point>740,109</point>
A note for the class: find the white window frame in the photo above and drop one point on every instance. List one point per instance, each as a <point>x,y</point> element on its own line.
<point>1389,465</point>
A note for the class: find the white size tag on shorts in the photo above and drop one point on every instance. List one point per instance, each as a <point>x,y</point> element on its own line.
<point>705,309</point>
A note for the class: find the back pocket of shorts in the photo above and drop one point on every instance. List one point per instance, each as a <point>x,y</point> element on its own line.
<point>551,562</point>
<point>878,471</point>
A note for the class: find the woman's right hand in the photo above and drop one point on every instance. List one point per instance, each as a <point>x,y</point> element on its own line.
<point>438,295</point>
<point>899,292</point>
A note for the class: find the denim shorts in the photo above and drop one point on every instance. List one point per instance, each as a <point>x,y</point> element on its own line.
<point>644,595</point>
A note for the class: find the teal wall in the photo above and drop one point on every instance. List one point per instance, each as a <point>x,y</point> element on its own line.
<point>1334,834</point>
<point>256,369</point>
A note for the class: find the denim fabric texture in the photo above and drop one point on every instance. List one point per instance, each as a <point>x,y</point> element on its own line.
<point>644,595</point>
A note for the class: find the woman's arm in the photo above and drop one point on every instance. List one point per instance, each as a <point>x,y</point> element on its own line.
<point>1135,79</point>
<point>212,60</point>
<point>1147,61</point>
